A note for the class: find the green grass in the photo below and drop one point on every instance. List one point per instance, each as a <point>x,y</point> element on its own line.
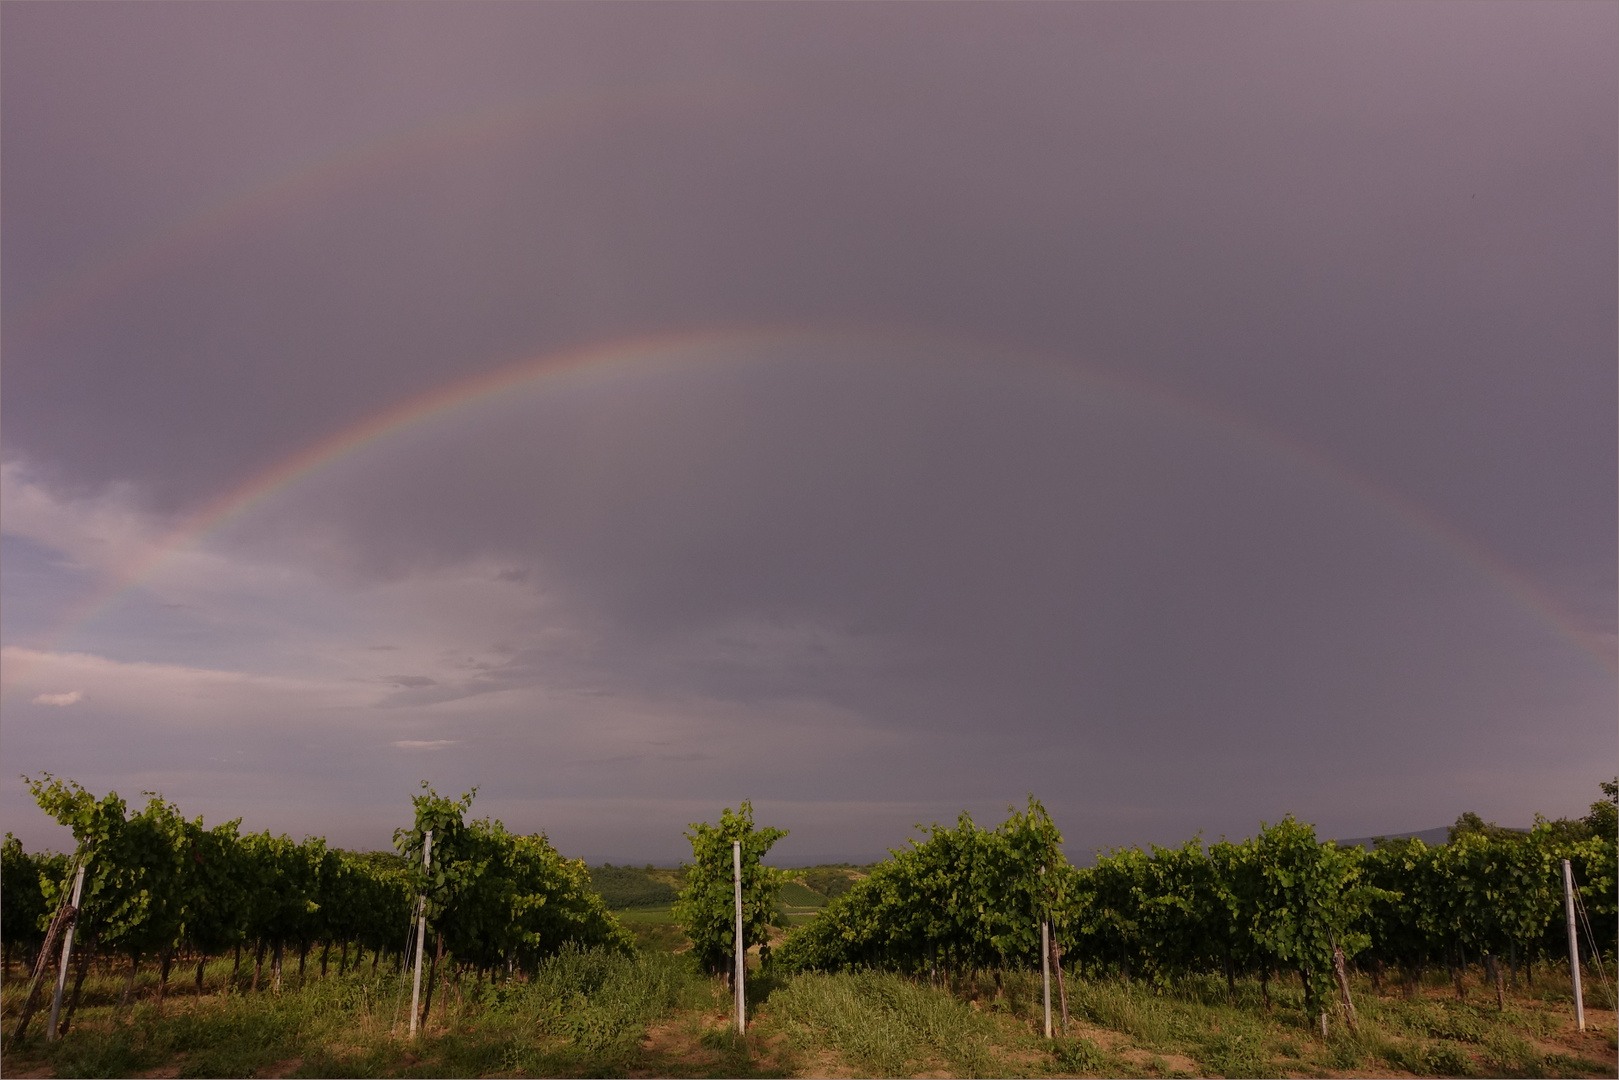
<point>660,914</point>
<point>654,928</point>
<point>886,1025</point>
<point>653,1013</point>
<point>581,1014</point>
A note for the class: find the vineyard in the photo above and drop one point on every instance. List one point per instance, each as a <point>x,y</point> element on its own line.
<point>969,898</point>
<point>1321,939</point>
<point>156,885</point>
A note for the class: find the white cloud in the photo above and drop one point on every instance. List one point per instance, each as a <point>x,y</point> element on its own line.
<point>172,695</point>
<point>296,611</point>
<point>314,754</point>
<point>104,532</point>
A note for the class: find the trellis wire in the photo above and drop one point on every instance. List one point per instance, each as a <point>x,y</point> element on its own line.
<point>1591,941</point>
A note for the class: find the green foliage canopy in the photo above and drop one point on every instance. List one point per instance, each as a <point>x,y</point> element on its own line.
<point>966,897</point>
<point>706,907</point>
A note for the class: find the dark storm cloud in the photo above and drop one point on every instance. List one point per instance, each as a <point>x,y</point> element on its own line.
<point>1319,215</point>
<point>1387,232</point>
<point>985,557</point>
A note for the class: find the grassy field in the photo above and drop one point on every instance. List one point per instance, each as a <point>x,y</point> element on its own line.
<point>654,927</point>
<point>795,895</point>
<point>652,1014</point>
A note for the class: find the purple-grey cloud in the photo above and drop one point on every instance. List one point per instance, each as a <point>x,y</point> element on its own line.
<point>1384,233</point>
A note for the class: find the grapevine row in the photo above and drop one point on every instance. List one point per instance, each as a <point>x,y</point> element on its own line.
<point>964,898</point>
<point>969,898</point>
<point>156,883</point>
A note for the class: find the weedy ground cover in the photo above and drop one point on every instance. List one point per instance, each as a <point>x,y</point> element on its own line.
<point>583,1013</point>
<point>594,1013</point>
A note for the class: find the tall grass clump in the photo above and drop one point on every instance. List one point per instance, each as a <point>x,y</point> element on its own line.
<point>1237,1053</point>
<point>886,1025</point>
<point>581,1012</point>
<point>590,1008</point>
<point>228,1035</point>
<point>1120,1007</point>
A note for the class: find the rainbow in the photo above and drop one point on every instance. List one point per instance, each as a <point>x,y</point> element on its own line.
<point>740,345</point>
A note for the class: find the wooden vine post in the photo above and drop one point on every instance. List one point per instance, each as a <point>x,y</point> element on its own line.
<point>1062,987</point>
<point>42,963</point>
<point>67,952</point>
<point>1573,945</point>
<point>421,940</point>
<point>1340,973</point>
<point>741,948</point>
<point>1045,970</point>
<point>1045,962</point>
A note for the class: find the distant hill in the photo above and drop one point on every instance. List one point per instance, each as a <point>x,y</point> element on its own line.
<point>830,880</point>
<point>795,895</point>
<point>625,887</point>
<point>1431,837</point>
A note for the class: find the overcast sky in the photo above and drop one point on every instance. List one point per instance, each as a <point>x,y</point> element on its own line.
<point>1190,414</point>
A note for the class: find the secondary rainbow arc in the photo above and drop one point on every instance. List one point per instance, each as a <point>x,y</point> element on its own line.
<point>311,180</point>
